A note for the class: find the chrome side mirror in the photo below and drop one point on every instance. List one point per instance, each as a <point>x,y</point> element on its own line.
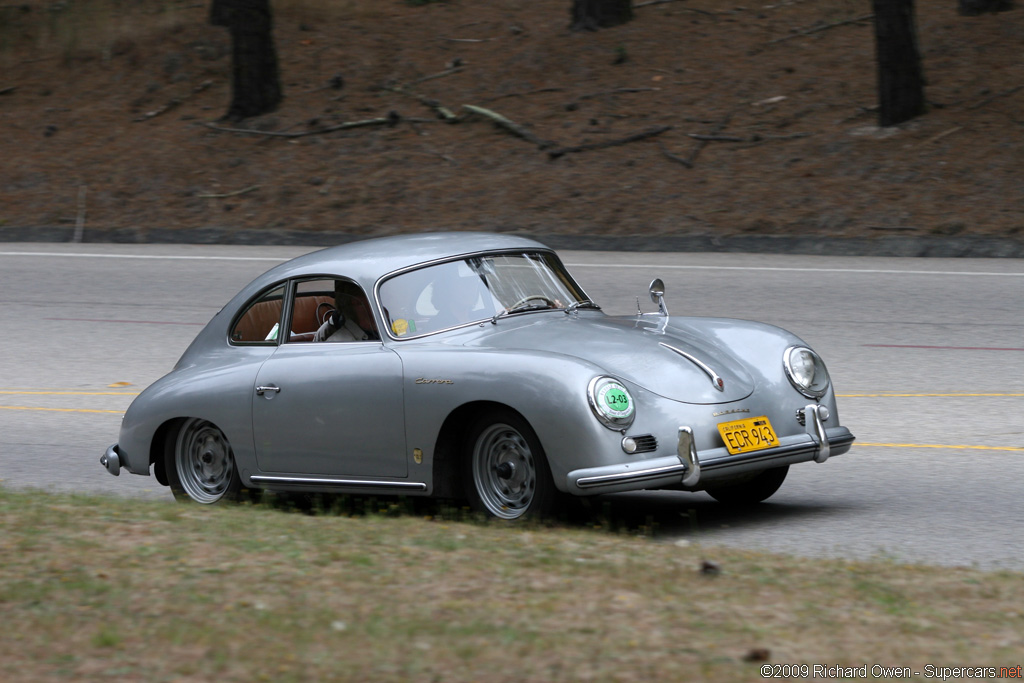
<point>657,290</point>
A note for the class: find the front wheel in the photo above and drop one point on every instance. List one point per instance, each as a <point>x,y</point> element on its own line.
<point>506,473</point>
<point>754,490</point>
<point>200,465</point>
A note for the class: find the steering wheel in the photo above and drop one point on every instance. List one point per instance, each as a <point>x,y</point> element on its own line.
<point>532,297</point>
<point>330,309</point>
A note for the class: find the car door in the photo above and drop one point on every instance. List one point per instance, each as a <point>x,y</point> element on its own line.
<point>329,408</point>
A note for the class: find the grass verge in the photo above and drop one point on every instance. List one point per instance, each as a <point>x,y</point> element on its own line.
<point>114,589</point>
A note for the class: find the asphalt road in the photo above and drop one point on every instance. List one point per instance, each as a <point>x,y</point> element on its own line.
<point>926,355</point>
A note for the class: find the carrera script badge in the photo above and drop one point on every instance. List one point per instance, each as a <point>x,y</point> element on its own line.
<point>730,412</point>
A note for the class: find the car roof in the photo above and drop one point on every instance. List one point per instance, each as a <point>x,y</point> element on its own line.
<point>367,260</point>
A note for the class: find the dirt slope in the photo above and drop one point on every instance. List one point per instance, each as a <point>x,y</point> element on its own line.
<point>105,116</point>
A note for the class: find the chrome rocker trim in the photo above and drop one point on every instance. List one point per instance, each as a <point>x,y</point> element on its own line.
<point>340,483</point>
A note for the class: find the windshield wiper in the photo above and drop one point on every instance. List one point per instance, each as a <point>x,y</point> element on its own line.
<point>586,303</point>
<point>524,306</point>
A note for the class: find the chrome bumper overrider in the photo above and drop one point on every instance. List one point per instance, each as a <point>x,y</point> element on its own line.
<point>688,469</point>
<point>111,460</point>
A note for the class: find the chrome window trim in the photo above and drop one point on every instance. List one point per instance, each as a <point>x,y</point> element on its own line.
<point>293,291</point>
<point>461,257</point>
<point>252,301</point>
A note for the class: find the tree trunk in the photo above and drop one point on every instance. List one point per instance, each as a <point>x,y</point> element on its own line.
<point>900,79</point>
<point>255,85</point>
<point>590,15</point>
<point>972,8</point>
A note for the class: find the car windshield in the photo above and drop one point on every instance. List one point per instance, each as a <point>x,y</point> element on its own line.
<point>455,293</point>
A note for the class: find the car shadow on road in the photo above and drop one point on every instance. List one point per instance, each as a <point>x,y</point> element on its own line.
<point>660,515</point>
<point>670,514</point>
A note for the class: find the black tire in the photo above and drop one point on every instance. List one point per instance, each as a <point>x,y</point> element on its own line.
<point>506,473</point>
<point>200,464</point>
<point>752,491</point>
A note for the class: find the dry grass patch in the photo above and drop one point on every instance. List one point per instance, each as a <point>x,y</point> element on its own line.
<point>104,589</point>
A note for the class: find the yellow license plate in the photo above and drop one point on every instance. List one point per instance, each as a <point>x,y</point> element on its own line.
<point>752,434</point>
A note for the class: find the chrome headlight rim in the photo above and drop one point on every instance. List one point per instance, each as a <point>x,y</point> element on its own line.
<point>597,394</point>
<point>819,381</point>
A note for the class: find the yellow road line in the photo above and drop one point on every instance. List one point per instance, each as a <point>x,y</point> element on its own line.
<point>932,445</point>
<point>61,410</point>
<point>70,393</point>
<point>929,395</point>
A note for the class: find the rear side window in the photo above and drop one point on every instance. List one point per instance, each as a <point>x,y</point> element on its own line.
<point>261,320</point>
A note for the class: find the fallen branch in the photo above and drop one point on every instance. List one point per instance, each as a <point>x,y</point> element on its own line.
<point>716,138</point>
<point>985,101</point>
<point>692,159</point>
<point>8,90</point>
<point>442,111</point>
<point>665,2</point>
<point>643,135</point>
<point>941,135</point>
<point>523,94</point>
<point>390,120</point>
<point>616,91</point>
<point>822,28</point>
<point>756,137</point>
<point>676,158</point>
<point>230,194</point>
<point>173,104</point>
<point>701,144</point>
<point>442,74</point>
<point>508,125</point>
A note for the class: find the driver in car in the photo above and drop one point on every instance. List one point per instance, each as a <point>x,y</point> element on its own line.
<point>340,325</point>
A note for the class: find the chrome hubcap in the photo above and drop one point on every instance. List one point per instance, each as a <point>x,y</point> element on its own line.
<point>504,472</point>
<point>203,461</point>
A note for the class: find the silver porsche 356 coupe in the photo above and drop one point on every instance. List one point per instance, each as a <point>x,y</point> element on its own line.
<point>471,365</point>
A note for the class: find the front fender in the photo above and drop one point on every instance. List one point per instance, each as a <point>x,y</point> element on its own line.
<point>548,390</point>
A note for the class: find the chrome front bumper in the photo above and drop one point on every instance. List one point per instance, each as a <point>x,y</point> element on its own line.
<point>690,470</point>
<point>111,460</point>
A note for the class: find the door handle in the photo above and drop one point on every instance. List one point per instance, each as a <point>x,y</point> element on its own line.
<point>262,390</point>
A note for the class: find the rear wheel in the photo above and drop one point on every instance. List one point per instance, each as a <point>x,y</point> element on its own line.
<point>200,465</point>
<point>754,490</point>
<point>506,473</point>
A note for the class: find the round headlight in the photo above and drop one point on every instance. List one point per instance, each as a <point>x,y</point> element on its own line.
<point>806,371</point>
<point>611,402</point>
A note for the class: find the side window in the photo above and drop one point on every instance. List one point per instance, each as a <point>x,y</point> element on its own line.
<point>261,320</point>
<point>331,310</point>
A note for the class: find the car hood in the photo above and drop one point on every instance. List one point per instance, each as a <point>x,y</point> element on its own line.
<point>676,364</point>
